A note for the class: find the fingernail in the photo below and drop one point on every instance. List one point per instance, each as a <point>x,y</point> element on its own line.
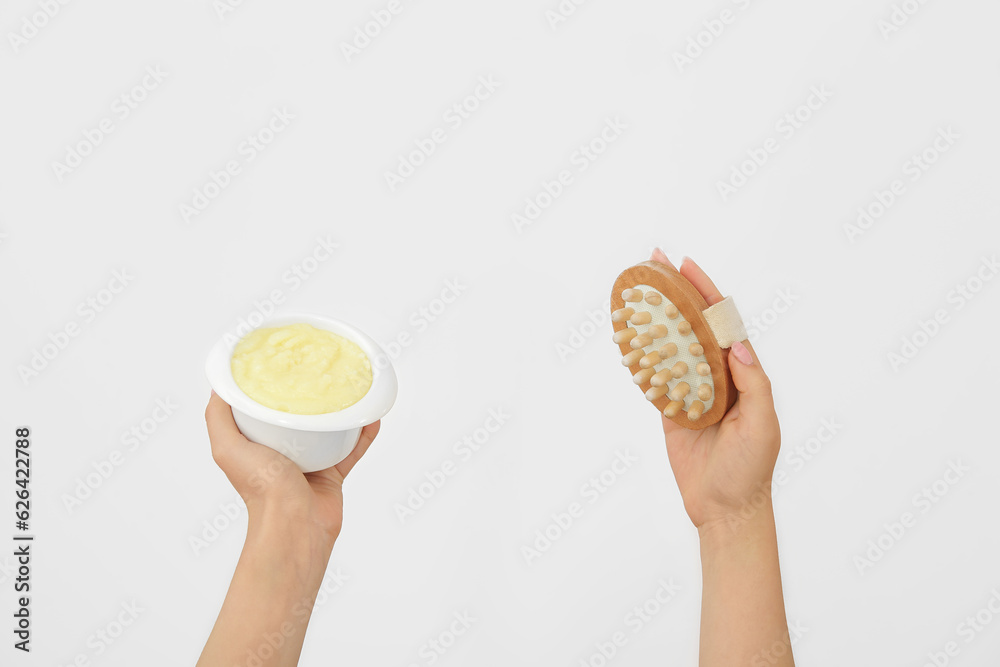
<point>659,255</point>
<point>743,354</point>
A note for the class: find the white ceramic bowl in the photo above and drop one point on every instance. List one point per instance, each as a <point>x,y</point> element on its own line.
<point>313,442</point>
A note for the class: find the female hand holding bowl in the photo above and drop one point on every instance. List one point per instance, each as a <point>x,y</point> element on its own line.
<point>289,469</point>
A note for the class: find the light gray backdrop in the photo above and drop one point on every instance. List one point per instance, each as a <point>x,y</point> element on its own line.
<point>170,169</point>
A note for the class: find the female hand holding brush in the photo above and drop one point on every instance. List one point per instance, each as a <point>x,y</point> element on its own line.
<point>724,476</point>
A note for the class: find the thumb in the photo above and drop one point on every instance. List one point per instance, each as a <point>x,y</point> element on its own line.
<point>756,401</point>
<point>368,434</point>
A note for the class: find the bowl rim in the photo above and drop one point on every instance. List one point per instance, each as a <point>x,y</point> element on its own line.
<point>370,408</point>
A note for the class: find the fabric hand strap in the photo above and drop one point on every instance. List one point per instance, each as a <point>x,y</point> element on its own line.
<point>725,322</point>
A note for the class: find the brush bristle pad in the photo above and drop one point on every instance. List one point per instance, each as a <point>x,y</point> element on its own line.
<point>668,352</point>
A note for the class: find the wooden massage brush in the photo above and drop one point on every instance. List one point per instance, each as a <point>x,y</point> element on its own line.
<point>674,344</point>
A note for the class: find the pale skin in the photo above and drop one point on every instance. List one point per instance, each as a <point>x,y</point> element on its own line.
<point>293,521</point>
<point>723,473</point>
<point>724,476</point>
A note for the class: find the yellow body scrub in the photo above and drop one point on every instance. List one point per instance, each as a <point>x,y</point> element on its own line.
<point>300,369</point>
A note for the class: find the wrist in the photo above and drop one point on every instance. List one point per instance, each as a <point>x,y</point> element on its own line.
<point>288,538</point>
<point>750,523</point>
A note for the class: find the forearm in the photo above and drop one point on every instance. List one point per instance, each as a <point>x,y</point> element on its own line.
<point>743,611</point>
<point>267,609</point>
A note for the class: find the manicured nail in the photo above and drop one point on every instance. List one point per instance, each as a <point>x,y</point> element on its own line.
<point>660,256</point>
<point>743,354</point>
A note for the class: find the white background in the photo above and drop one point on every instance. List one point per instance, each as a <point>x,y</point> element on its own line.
<point>527,297</point>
